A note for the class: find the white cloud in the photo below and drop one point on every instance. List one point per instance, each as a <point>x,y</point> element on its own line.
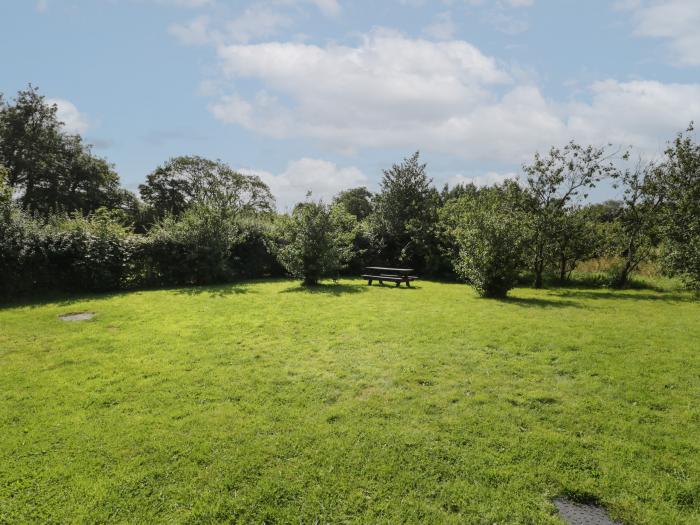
<point>394,92</point>
<point>676,21</point>
<point>641,113</point>
<point>322,178</point>
<point>41,6</point>
<point>74,121</point>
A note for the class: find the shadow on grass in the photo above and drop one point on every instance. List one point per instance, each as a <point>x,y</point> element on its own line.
<point>537,302</point>
<point>327,289</point>
<point>623,294</point>
<point>61,299</point>
<point>64,299</point>
<point>219,290</point>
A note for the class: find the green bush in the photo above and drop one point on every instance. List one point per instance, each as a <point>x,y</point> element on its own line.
<point>488,240</point>
<point>196,249</point>
<point>253,253</point>
<point>88,254</point>
<point>316,241</point>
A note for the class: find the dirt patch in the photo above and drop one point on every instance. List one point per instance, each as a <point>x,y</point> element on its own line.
<point>77,316</point>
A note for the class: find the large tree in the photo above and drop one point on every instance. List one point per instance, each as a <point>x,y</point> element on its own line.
<point>681,226</point>
<point>405,216</point>
<point>555,182</point>
<point>182,181</point>
<point>633,235</point>
<point>50,169</point>
<point>356,201</point>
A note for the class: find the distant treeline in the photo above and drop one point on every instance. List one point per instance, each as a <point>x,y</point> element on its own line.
<point>66,223</point>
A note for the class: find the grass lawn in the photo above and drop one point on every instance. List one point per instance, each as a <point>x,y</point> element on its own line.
<point>264,402</point>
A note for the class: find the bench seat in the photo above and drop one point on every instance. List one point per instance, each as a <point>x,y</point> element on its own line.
<point>391,278</point>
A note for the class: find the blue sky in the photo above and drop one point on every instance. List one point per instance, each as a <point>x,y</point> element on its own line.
<point>322,94</point>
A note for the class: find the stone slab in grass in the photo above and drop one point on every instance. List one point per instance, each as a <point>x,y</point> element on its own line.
<point>77,316</point>
<point>581,514</point>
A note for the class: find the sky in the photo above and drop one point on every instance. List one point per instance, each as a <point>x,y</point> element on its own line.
<point>322,95</point>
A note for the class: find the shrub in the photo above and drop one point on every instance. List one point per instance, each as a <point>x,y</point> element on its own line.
<point>316,241</point>
<point>253,253</point>
<point>88,254</point>
<point>488,240</point>
<point>196,249</point>
<point>23,263</point>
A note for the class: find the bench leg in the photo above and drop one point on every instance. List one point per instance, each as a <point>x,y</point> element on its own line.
<point>408,283</point>
<point>369,282</point>
<point>398,283</point>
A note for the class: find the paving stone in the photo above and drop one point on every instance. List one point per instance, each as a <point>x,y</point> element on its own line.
<point>580,514</point>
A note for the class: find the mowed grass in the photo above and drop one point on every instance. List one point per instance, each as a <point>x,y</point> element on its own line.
<point>267,403</point>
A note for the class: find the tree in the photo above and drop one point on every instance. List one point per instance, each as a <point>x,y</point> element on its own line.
<point>356,201</point>
<point>50,169</point>
<point>487,229</point>
<point>575,239</point>
<point>680,183</point>
<point>183,181</point>
<point>553,183</point>
<point>634,233</point>
<point>316,241</point>
<point>405,216</point>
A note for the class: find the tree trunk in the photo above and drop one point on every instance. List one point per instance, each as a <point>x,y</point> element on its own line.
<point>562,269</point>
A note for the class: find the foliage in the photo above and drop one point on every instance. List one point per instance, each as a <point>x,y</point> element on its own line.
<point>356,201</point>
<point>576,238</point>
<point>681,219</point>
<point>634,234</point>
<point>185,181</point>
<point>23,265</point>
<point>193,249</point>
<point>316,241</point>
<point>51,170</point>
<point>553,182</point>
<point>88,253</point>
<point>403,224</point>
<point>488,231</point>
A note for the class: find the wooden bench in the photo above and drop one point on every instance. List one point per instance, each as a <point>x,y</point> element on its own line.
<point>392,275</point>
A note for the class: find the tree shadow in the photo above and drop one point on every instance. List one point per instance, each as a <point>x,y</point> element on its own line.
<point>673,297</point>
<point>327,289</point>
<point>537,302</point>
<point>219,290</point>
<point>57,298</point>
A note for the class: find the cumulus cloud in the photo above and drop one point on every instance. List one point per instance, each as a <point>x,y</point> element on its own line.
<point>393,91</point>
<point>641,113</point>
<point>675,21</point>
<point>322,178</point>
<point>74,121</point>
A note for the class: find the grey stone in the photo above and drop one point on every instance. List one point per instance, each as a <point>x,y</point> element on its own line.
<point>77,316</point>
<point>580,514</point>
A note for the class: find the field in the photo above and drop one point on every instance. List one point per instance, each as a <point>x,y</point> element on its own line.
<point>267,403</point>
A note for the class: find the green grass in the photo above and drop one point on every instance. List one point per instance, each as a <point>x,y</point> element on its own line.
<point>265,402</point>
